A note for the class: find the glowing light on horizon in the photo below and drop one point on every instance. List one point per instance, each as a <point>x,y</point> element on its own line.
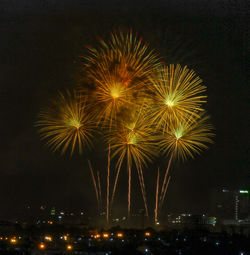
<point>48,238</point>
<point>13,240</point>
<point>120,235</point>
<point>105,235</point>
<point>42,246</point>
<point>69,247</point>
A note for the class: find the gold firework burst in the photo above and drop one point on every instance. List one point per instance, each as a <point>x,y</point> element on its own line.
<point>65,123</point>
<point>133,138</point>
<point>111,96</point>
<point>175,94</point>
<point>187,138</point>
<point>118,69</point>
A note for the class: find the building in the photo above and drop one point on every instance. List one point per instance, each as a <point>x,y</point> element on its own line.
<point>231,204</point>
<point>191,221</point>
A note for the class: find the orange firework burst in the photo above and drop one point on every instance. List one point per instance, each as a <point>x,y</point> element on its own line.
<point>188,137</point>
<point>175,94</point>
<point>118,68</point>
<point>125,53</point>
<point>65,124</point>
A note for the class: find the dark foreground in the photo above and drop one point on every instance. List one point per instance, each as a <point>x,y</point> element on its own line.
<point>48,241</point>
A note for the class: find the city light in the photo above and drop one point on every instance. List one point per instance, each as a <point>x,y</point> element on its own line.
<point>48,238</point>
<point>105,235</point>
<point>65,237</point>
<point>147,234</point>
<point>244,191</point>
<point>42,246</point>
<point>13,240</point>
<point>120,235</point>
<point>69,247</point>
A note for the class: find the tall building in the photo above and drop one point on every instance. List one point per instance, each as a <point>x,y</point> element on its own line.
<point>190,221</point>
<point>231,204</point>
<point>243,204</point>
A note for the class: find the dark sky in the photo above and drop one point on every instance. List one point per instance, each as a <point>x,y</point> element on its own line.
<point>39,48</point>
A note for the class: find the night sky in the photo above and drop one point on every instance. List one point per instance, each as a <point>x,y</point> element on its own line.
<point>40,45</point>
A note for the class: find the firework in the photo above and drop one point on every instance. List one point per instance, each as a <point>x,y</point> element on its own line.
<point>175,93</point>
<point>118,68</point>
<point>165,182</point>
<point>115,183</point>
<point>132,138</point>
<point>108,176</point>
<point>129,190</point>
<point>164,193</point>
<point>134,96</point>
<point>111,97</point>
<point>187,138</point>
<point>98,197</point>
<point>99,188</point>
<point>143,189</point>
<point>157,196</point>
<point>124,53</point>
<point>65,124</point>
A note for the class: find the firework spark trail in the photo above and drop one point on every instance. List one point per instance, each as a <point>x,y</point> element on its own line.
<point>132,138</point>
<point>94,182</point>
<point>185,139</point>
<point>165,178</point>
<point>115,184</point>
<point>108,176</point>
<point>129,191</point>
<point>165,191</point>
<point>143,190</point>
<point>139,176</point>
<point>99,189</point>
<point>156,196</point>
